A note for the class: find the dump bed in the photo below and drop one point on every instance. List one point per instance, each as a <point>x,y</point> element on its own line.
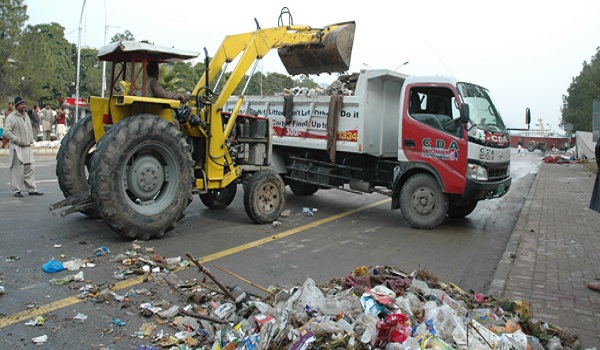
<point>367,121</point>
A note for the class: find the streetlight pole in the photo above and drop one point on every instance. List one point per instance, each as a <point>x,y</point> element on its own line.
<point>78,64</point>
<point>402,65</point>
<point>104,62</point>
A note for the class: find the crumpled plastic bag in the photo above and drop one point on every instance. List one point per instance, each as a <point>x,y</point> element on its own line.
<point>53,266</point>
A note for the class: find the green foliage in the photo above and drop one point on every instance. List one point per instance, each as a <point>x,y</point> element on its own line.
<point>168,78</point>
<point>13,14</point>
<point>187,75</point>
<point>122,36</point>
<point>584,89</point>
<point>55,73</point>
<point>90,77</point>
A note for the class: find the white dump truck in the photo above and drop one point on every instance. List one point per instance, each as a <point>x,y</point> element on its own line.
<point>437,146</point>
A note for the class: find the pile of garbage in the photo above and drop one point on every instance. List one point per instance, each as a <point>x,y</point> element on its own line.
<point>371,308</point>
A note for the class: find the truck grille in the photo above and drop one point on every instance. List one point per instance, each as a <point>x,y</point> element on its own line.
<point>498,173</point>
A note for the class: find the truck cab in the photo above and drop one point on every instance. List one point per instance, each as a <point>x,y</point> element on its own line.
<point>472,156</point>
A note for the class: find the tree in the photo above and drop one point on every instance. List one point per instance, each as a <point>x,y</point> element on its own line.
<point>584,89</point>
<point>13,14</point>
<point>187,74</point>
<point>44,63</point>
<point>122,36</point>
<point>90,78</point>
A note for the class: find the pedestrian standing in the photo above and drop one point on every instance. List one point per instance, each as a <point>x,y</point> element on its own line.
<point>47,122</point>
<point>520,150</point>
<point>61,124</point>
<point>35,121</point>
<point>595,203</point>
<point>19,133</point>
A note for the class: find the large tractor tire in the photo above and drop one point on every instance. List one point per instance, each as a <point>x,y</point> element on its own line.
<point>73,161</point>
<point>423,203</point>
<point>264,196</point>
<point>219,199</point>
<point>303,189</point>
<point>461,209</point>
<point>143,177</point>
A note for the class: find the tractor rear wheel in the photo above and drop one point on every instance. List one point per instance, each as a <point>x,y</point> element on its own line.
<point>264,196</point>
<point>73,161</point>
<point>143,177</point>
<point>423,203</point>
<point>219,199</point>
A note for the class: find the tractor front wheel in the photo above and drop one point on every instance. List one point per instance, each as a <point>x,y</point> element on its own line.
<point>264,196</point>
<point>219,199</point>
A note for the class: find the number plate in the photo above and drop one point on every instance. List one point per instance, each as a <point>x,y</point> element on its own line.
<point>500,190</point>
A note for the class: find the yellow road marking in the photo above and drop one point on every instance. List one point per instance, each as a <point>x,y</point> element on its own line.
<point>59,304</point>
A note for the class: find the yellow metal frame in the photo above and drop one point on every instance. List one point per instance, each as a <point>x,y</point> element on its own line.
<point>252,46</point>
<point>220,169</point>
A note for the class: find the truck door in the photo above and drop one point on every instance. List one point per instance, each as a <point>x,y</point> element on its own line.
<point>432,133</point>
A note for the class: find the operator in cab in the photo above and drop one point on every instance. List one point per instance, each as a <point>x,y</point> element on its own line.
<point>154,89</point>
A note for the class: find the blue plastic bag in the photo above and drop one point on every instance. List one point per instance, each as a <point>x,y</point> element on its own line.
<point>53,266</point>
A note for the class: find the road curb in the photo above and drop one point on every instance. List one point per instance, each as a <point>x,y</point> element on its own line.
<point>498,284</point>
<point>36,152</point>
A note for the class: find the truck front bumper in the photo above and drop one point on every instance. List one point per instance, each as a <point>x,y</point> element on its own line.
<point>477,190</point>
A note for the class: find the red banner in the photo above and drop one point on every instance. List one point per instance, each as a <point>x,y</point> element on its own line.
<point>70,102</point>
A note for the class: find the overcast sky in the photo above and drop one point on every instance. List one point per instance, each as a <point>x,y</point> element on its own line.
<point>525,52</point>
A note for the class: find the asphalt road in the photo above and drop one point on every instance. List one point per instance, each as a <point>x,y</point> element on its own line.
<point>345,231</point>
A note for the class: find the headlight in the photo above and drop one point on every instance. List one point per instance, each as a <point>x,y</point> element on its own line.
<point>476,172</point>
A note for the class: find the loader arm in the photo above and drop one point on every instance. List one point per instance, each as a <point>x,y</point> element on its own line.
<point>336,42</point>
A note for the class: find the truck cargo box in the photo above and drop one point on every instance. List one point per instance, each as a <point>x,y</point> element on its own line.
<point>367,121</point>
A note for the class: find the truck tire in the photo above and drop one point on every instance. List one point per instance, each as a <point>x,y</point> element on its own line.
<point>143,177</point>
<point>73,161</point>
<point>303,189</point>
<point>461,209</point>
<point>264,196</point>
<point>423,203</point>
<point>219,199</point>
<point>531,147</point>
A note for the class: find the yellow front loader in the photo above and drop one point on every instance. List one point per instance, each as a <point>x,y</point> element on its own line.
<point>137,161</point>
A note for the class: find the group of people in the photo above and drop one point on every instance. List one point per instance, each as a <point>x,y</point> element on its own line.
<point>48,119</point>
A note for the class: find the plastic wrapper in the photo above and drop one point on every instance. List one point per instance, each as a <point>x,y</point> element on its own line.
<point>395,328</point>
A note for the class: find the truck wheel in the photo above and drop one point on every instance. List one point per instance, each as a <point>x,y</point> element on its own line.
<point>461,209</point>
<point>73,161</point>
<point>264,197</point>
<point>219,199</point>
<point>143,177</point>
<point>531,147</point>
<point>303,189</point>
<point>423,203</point>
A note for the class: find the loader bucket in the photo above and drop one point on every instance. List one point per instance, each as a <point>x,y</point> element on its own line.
<point>331,55</point>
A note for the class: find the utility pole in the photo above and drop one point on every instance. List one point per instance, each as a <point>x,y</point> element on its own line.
<point>104,62</point>
<point>78,64</point>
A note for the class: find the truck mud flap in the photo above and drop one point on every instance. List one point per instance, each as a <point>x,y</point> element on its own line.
<point>331,55</point>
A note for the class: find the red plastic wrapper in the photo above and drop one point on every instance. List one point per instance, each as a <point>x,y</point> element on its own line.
<point>395,328</point>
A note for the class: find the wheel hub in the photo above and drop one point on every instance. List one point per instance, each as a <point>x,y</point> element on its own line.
<point>267,200</point>
<point>423,202</point>
<point>145,177</point>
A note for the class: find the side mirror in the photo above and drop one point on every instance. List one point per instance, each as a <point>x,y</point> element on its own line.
<point>464,113</point>
<point>527,116</point>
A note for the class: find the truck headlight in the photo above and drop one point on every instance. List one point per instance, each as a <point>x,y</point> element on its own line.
<point>476,172</point>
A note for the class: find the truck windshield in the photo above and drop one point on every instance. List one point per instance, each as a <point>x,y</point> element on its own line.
<point>482,111</point>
